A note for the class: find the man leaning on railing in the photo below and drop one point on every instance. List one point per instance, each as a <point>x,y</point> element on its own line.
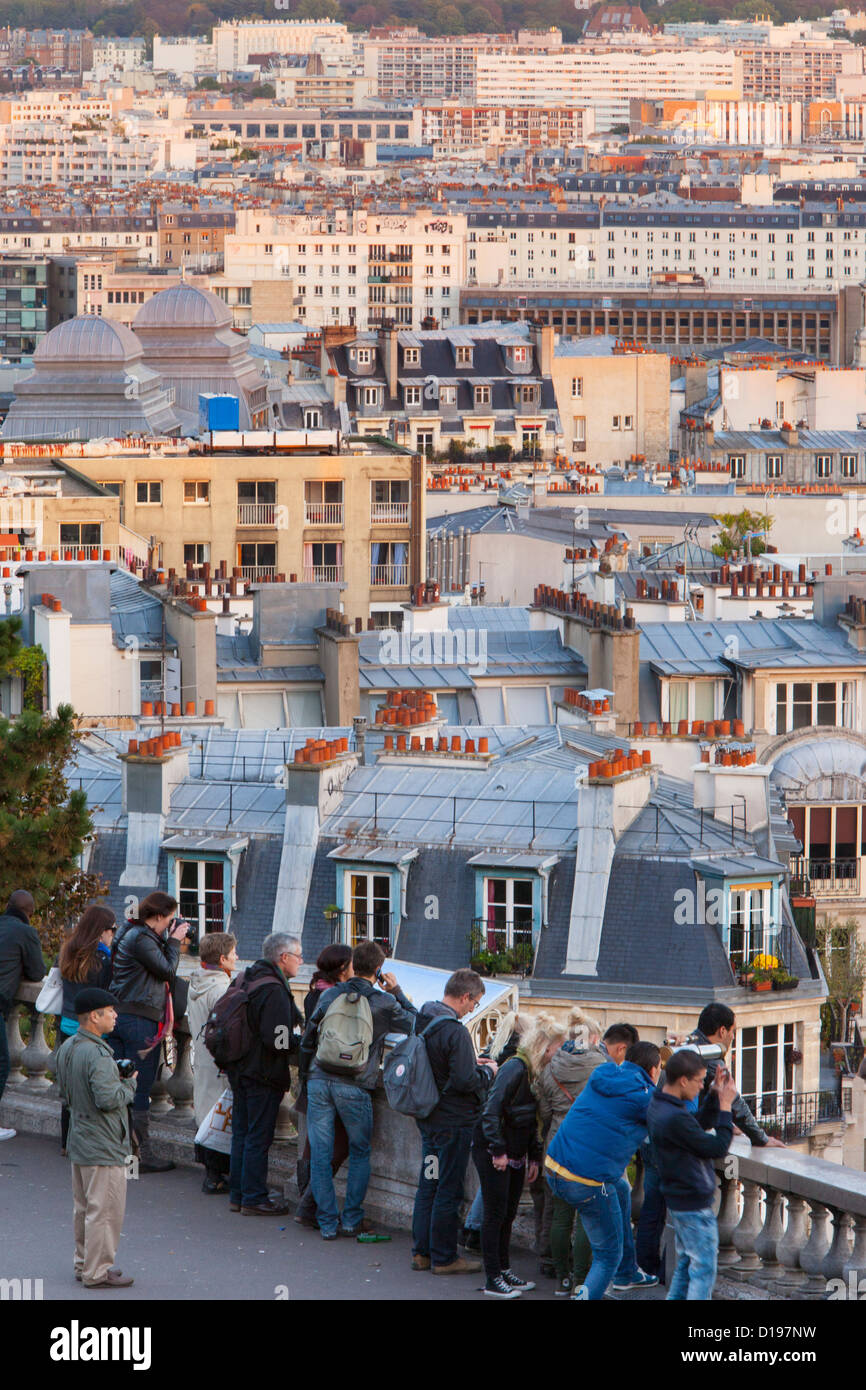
<point>717,1025</point>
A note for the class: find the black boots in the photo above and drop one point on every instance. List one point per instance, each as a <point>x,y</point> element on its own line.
<point>147,1160</point>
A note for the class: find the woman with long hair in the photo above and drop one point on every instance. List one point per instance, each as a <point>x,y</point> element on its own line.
<point>84,961</point>
<point>333,966</point>
<point>218,955</point>
<point>506,1150</point>
<point>503,1045</point>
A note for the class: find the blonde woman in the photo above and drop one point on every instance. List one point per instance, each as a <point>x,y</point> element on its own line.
<point>506,1150</point>
<point>557,1088</point>
<point>502,1046</point>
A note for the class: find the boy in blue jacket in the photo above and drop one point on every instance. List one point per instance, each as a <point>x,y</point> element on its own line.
<point>684,1153</point>
<point>586,1162</point>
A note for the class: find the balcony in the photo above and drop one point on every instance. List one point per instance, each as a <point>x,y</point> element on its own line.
<point>746,943</point>
<point>504,948</point>
<point>257,513</point>
<point>827,878</point>
<point>323,513</point>
<point>351,928</point>
<point>323,574</point>
<point>389,576</point>
<point>254,573</point>
<point>389,513</point>
<point>793,1115</point>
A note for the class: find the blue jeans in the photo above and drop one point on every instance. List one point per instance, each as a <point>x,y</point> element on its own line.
<point>254,1119</point>
<point>475,1214</point>
<point>606,1215</point>
<point>444,1159</point>
<point>131,1034</point>
<point>697,1234</point>
<point>651,1225</point>
<point>326,1098</point>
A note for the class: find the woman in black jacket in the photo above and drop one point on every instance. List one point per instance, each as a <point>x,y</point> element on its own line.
<point>333,966</point>
<point>84,961</point>
<point>146,955</point>
<point>506,1150</point>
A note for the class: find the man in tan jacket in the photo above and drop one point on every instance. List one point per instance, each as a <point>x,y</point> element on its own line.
<point>99,1145</point>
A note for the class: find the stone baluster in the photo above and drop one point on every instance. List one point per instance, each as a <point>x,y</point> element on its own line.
<point>771,1233</point>
<point>286,1127</point>
<point>747,1231</point>
<point>729,1215</point>
<point>855,1267</point>
<point>15,1043</point>
<point>36,1055</point>
<point>837,1256</point>
<point>160,1100</point>
<point>815,1252</point>
<point>792,1245</point>
<point>179,1084</point>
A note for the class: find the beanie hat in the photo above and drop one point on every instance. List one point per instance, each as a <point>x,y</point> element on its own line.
<point>88,1000</point>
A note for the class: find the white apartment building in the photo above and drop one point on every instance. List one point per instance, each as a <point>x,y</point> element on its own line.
<point>42,154</point>
<point>358,267</point>
<point>792,68</point>
<point>42,105</point>
<point>620,245</point>
<point>183,56</point>
<point>235,40</point>
<point>411,66</point>
<point>604,77</point>
<point>117,54</point>
<point>454,125</point>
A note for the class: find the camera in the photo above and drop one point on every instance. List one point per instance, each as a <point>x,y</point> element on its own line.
<point>709,1052</point>
<point>126,1068</point>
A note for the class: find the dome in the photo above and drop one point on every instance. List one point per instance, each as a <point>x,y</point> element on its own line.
<point>183,306</point>
<point>88,339</point>
<point>822,769</point>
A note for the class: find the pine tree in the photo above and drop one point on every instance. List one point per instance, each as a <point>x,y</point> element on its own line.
<point>43,825</point>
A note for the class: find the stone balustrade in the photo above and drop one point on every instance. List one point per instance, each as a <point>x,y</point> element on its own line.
<point>789,1222</point>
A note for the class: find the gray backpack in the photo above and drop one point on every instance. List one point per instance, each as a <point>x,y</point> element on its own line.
<point>345,1034</point>
<point>408,1076</point>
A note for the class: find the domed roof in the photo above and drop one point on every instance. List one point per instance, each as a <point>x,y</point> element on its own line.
<point>88,338</point>
<point>183,306</point>
<point>822,765</point>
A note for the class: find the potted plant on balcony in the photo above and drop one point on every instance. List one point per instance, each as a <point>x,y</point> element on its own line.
<point>484,963</point>
<point>331,914</point>
<point>783,979</point>
<point>762,968</point>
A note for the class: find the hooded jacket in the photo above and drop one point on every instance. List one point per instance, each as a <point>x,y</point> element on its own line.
<point>462,1083</point>
<point>606,1124</point>
<point>208,1084</point>
<point>684,1151</point>
<point>20,956</point>
<point>272,1015</point>
<point>562,1081</point>
<point>98,1101</point>
<point>509,1120</point>
<point>144,964</point>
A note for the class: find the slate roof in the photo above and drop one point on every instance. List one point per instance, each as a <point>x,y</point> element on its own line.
<point>135,613</point>
<point>703,648</point>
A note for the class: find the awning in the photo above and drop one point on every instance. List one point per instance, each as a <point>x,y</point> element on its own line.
<point>498,859</point>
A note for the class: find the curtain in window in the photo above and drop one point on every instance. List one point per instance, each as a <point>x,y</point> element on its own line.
<point>679,700</point>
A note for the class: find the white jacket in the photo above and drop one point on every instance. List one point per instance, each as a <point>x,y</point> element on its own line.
<point>205,988</point>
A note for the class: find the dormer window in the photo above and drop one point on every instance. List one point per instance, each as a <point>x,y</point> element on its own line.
<point>482,395</point>
<point>463,356</point>
<point>412,395</point>
<point>362,357</point>
<point>411,357</point>
<point>447,395</point>
<point>519,354</point>
<point>371,395</point>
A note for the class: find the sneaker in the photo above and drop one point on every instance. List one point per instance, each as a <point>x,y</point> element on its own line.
<point>420,1262</point>
<point>522,1285</point>
<point>331,1235</point>
<point>459,1266</point>
<point>8,1133</point>
<point>564,1288</point>
<point>363,1228</point>
<point>640,1281</point>
<point>579,1294</point>
<point>500,1288</point>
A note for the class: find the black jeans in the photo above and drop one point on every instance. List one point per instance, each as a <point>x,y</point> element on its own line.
<point>131,1034</point>
<point>254,1118</point>
<point>444,1159</point>
<point>651,1225</point>
<point>4,1054</point>
<point>501,1195</point>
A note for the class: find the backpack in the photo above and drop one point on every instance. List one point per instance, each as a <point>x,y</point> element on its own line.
<point>345,1034</point>
<point>408,1076</point>
<point>227,1033</point>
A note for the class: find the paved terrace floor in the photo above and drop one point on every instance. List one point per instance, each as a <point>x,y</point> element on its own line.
<point>179,1244</point>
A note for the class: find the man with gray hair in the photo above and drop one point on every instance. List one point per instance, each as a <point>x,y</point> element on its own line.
<point>261,1078</point>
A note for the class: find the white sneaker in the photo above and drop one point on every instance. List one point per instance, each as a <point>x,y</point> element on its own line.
<point>8,1133</point>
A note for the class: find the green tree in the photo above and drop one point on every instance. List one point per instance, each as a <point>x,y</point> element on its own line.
<point>843,958</point>
<point>735,529</point>
<point>43,824</point>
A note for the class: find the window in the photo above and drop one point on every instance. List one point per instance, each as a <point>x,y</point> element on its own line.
<point>369,909</point>
<point>751,930</point>
<point>196,492</point>
<point>447,395</point>
<point>80,533</point>
<point>823,465</point>
<point>196,553</point>
<point>737,465</point>
<point>257,559</point>
<point>323,502</point>
<point>849,465</point>
<point>148,494</point>
<point>576,387</point>
<point>411,357</point>
<point>312,419</point>
<point>389,563</point>
<point>200,897</point>
<point>691,700</point>
<point>482,395</point>
<point>323,562</point>
<point>508,912</point>
<point>774,465</point>
<point>257,503</point>
<point>389,497</point>
<point>805,704</point>
<point>412,395</point>
<point>463,356</point>
<point>362,357</point>
<point>616,422</point>
<point>760,1062</point>
<point>370,395</point>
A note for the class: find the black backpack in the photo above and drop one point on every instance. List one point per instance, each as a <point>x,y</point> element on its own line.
<point>227,1033</point>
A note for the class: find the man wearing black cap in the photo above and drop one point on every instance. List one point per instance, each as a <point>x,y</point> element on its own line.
<point>99,1140</point>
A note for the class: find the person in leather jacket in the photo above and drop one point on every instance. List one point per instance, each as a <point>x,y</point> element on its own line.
<point>145,959</point>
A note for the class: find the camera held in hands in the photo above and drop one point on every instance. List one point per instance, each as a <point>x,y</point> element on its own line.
<point>126,1068</point>
<point>709,1052</point>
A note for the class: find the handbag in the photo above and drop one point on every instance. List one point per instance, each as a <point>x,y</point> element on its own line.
<point>215,1130</point>
<point>50,997</point>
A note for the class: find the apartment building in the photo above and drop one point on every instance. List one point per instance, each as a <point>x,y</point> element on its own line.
<point>355,519</point>
<point>183,55</point>
<point>192,237</point>
<point>134,233</point>
<point>66,106</point>
<point>356,267</point>
<point>333,86</point>
<point>309,131</point>
<point>118,54</point>
<point>235,40</point>
<point>612,399</point>
<point>788,68</point>
<point>24,298</point>
<point>42,154</point>
<point>406,65</point>
<point>70,50</point>
<point>454,126</point>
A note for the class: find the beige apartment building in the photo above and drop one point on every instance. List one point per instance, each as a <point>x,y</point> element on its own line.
<point>355,519</point>
<point>613,400</point>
